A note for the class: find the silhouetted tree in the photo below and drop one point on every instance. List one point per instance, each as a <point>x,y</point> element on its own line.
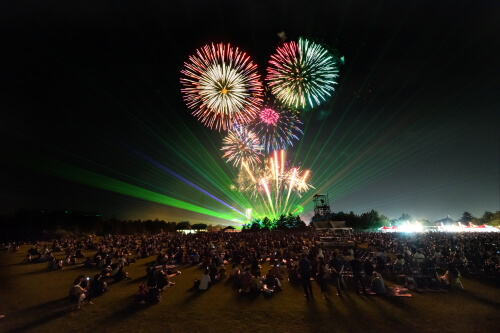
<point>267,223</point>
<point>295,223</point>
<point>466,218</point>
<point>199,226</point>
<point>183,225</point>
<point>282,222</point>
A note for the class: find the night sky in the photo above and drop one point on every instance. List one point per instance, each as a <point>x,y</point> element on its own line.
<point>92,117</point>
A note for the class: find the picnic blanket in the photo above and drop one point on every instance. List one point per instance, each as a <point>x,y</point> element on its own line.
<point>398,291</point>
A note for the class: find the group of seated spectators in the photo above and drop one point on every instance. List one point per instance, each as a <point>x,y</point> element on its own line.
<point>158,275</point>
<point>427,255</point>
<point>84,289</point>
<point>11,247</point>
<point>249,279</point>
<point>432,260</point>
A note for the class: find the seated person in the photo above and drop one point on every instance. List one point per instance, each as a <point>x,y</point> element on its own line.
<point>27,259</point>
<point>88,263</point>
<point>205,280</point>
<point>54,264</point>
<point>213,272</point>
<point>272,283</point>
<point>69,261</point>
<point>101,263</point>
<point>114,270</point>
<point>49,256</point>
<point>257,283</point>
<point>400,262</point>
<point>84,281</point>
<point>106,271</point>
<point>77,294</point>
<point>120,275</point>
<point>195,259</point>
<point>79,253</point>
<point>162,281</point>
<point>245,281</point>
<point>222,273</point>
<point>141,294</point>
<point>255,266</point>
<point>235,271</point>
<point>97,258</point>
<point>34,251</point>
<point>98,286</point>
<point>452,278</point>
<point>275,270</point>
<point>122,261</point>
<point>161,258</point>
<point>378,285</point>
<point>153,296</point>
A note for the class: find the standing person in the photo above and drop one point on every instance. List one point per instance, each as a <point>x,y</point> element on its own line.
<point>320,254</point>
<point>322,276</point>
<point>305,274</point>
<point>356,266</point>
<point>419,258</point>
<point>337,267</point>
<point>369,269</point>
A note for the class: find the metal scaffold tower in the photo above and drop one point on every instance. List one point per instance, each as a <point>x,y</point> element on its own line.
<point>321,206</point>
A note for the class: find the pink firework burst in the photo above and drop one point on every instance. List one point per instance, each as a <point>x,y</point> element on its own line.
<point>276,125</point>
<point>269,116</point>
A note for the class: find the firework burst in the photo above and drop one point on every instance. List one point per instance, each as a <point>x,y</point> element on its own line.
<point>302,74</point>
<point>275,183</point>
<point>248,181</point>
<point>221,84</point>
<point>276,126</point>
<point>269,116</point>
<point>242,147</point>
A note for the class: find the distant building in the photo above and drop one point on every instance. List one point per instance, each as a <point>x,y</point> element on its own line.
<point>446,221</point>
<point>230,229</point>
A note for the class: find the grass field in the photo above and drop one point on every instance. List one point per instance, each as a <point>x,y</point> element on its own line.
<point>35,300</point>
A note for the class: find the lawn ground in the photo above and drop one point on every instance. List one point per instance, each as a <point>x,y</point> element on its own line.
<point>35,300</point>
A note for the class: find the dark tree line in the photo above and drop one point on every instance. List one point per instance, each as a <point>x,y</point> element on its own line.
<point>374,220</point>
<point>39,224</point>
<point>369,220</point>
<point>284,222</point>
<point>489,218</point>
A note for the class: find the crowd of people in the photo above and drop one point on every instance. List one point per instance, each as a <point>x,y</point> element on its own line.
<point>475,255</point>
<point>425,260</point>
